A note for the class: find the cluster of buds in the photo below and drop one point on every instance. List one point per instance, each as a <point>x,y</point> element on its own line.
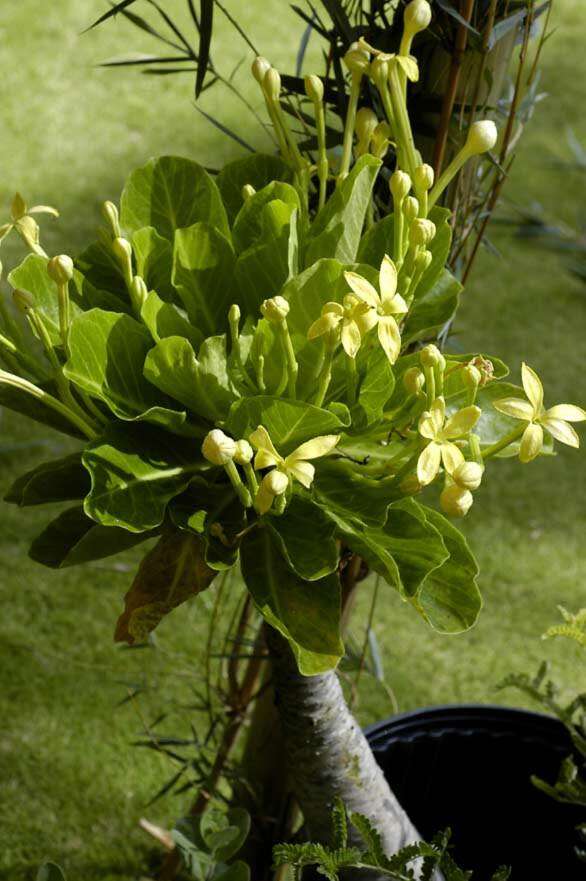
<point>123,253</point>
<point>276,472</point>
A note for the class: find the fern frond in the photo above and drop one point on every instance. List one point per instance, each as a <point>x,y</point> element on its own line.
<point>339,824</point>
<point>574,627</point>
<point>371,837</point>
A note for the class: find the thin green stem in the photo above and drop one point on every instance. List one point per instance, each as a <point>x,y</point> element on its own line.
<point>447,177</point>
<point>349,127</point>
<point>322,154</point>
<point>325,376</point>
<point>291,360</point>
<point>241,491</point>
<point>404,132</point>
<point>48,399</point>
<point>351,378</point>
<point>504,442</point>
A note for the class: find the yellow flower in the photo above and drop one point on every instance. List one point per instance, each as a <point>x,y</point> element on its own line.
<point>555,420</point>
<point>24,223</point>
<point>347,322</point>
<point>385,305</point>
<point>441,432</point>
<point>296,464</point>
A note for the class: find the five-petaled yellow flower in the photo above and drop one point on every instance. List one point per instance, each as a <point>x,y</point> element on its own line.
<point>296,464</point>
<point>348,321</point>
<point>555,420</point>
<point>441,432</point>
<point>385,305</point>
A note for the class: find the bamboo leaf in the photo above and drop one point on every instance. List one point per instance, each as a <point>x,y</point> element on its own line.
<point>205,39</point>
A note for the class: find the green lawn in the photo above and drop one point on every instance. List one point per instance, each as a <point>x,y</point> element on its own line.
<point>72,787</point>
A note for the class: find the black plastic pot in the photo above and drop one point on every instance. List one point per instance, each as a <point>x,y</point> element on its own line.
<point>469,768</point>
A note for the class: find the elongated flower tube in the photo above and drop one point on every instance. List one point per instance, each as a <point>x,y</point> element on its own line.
<point>416,18</point>
<point>296,465</point>
<point>556,421</point>
<point>385,305</point>
<point>441,432</point>
<point>482,137</point>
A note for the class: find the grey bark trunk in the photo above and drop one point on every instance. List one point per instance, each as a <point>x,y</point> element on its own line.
<point>328,756</point>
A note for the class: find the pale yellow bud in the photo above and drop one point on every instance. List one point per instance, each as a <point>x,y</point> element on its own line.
<point>410,208</point>
<point>272,84</point>
<point>423,261</point>
<point>22,300</point>
<point>413,380</point>
<point>379,71</point>
<point>357,59</point>
<point>423,178</point>
<point>400,185</point>
<point>248,192</point>
<point>234,314</point>
<point>314,88</point>
<point>244,452</point>
<point>421,231</point>
<point>417,17</point>
<point>273,484</point>
<point>482,137</point>
<point>456,501</point>
<point>430,356</point>
<point>60,269</point>
<point>138,292</point>
<point>259,68</point>
<point>122,250</point>
<point>275,309</point>
<point>110,215</point>
<point>380,139</point>
<point>472,376</point>
<point>468,475</point>
<point>218,448</point>
<point>366,122</point>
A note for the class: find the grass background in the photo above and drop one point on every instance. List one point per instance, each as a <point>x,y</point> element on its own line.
<point>71,787</point>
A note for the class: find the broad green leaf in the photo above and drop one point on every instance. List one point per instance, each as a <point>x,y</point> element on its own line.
<point>171,193</point>
<point>263,269</point>
<point>238,871</point>
<point>134,474</point>
<point>289,423</point>
<point>50,872</point>
<point>203,273</point>
<point>165,320</point>
<point>306,613</point>
<point>214,512</point>
<point>100,271</point>
<point>307,539</point>
<point>200,383</point>
<point>224,832</point>
<point>249,226</point>
<point>154,261</point>
<point>107,353</point>
<point>32,276</point>
<point>258,171</point>
<point>449,598</point>
<point>337,229</point>
<point>61,480</point>
<point>376,388</point>
<point>379,241</point>
<point>341,487</point>
<point>431,312</point>
<point>73,538</point>
<point>172,572</point>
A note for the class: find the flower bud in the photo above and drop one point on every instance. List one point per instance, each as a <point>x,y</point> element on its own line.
<point>410,208</point>
<point>472,376</point>
<point>468,475</point>
<point>122,250</point>
<point>430,356</point>
<point>138,292</point>
<point>110,215</point>
<point>259,68</point>
<point>482,137</point>
<point>413,380</point>
<point>234,314</point>
<point>22,300</point>
<point>248,192</point>
<point>417,17</point>
<point>365,124</point>
<point>410,485</point>
<point>423,178</point>
<point>456,501</point>
<point>379,71</point>
<point>60,269</point>
<point>275,309</point>
<point>314,88</point>
<point>357,59</point>
<point>485,368</point>
<point>423,261</point>
<point>273,484</point>
<point>272,84</point>
<point>244,452</point>
<point>218,448</point>
<point>421,231</point>
<point>380,139</point>
<point>400,185</point>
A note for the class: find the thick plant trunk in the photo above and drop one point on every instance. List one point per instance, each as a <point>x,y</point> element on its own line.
<point>328,756</point>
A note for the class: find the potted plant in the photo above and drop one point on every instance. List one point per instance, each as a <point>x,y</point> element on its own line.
<point>246,365</point>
